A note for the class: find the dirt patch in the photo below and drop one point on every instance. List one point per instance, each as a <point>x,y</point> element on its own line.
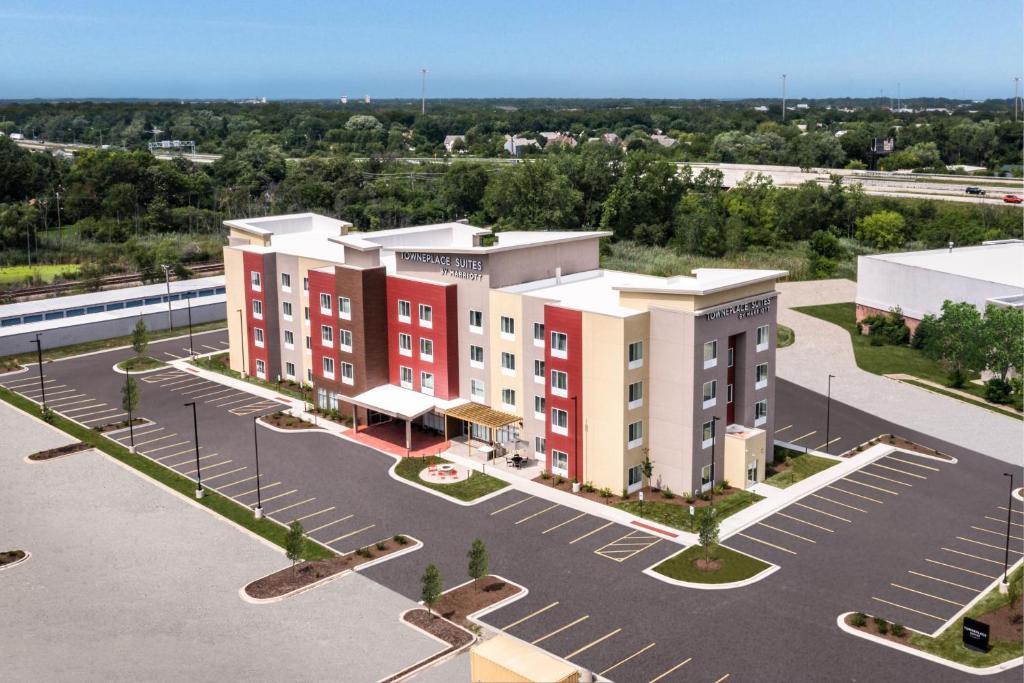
<point>60,451</point>
<point>651,494</point>
<point>283,420</point>
<point>123,424</point>
<point>871,626</point>
<point>899,442</point>
<point>707,565</point>
<point>9,367</point>
<point>305,573</point>
<point>436,626</point>
<point>11,556</point>
<point>1004,624</point>
<point>456,605</point>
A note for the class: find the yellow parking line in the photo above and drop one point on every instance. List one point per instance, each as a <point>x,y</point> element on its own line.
<point>590,645</point>
<point>508,507</point>
<point>977,557</point>
<point>915,464</point>
<point>822,512</point>
<point>951,583</point>
<point>559,630</point>
<point>804,436</point>
<point>314,514</point>
<point>582,514</point>
<point>351,533</point>
<point>804,521</point>
<point>783,429</point>
<point>661,676</point>
<point>788,533</point>
<point>858,495</point>
<point>879,476</point>
<point>836,502</point>
<point>928,595</point>
<point>605,526</point>
<point>953,566</point>
<point>1003,521</point>
<point>1006,509</point>
<point>536,514</point>
<point>871,486</point>
<point>896,469</point>
<point>772,545</point>
<point>531,615</point>
<point>989,545</point>
<point>909,609</point>
<point>623,661</point>
<point>998,533</point>
<point>324,526</point>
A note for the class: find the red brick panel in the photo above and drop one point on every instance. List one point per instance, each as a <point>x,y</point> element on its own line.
<point>443,332</point>
<point>254,262</point>
<point>570,322</point>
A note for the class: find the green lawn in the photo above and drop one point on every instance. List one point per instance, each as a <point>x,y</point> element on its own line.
<point>240,515</point>
<point>678,516</point>
<point>16,275</point>
<point>986,406</point>
<point>801,467</point>
<point>784,336</point>
<point>137,363</point>
<point>477,485</point>
<point>735,566</point>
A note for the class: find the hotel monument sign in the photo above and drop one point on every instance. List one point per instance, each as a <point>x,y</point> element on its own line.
<point>747,309</point>
<point>448,265</point>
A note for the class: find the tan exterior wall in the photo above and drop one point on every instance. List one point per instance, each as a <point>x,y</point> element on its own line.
<point>505,304</point>
<point>238,237</point>
<point>739,452</point>
<point>302,329</point>
<point>235,283</point>
<point>689,302</point>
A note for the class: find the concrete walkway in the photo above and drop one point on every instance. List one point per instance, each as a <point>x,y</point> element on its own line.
<point>822,348</point>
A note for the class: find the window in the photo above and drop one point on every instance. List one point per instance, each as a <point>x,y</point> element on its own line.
<point>426,349</point>
<point>508,363</point>
<point>707,434</point>
<point>761,376</point>
<point>404,311</point>
<point>636,355</point>
<point>325,304</point>
<point>309,375</point>
<point>559,345</point>
<point>559,462</point>
<point>328,368</point>
<point>344,308</point>
<point>289,339</point>
<point>257,309</point>
<point>762,337</point>
<point>404,344</point>
<point>305,313</point>
<point>347,373</point>
<point>728,393</point>
<point>309,344</point>
<point>710,393</point>
<point>732,356</point>
<point>261,369</point>
<point>538,371</point>
<point>559,383</point>
<point>286,310</point>
<point>634,476</point>
<point>538,334</point>
<point>476,391</point>
<point>289,370</point>
<point>286,282</point>
<point>710,354</point>
<point>426,316</point>
<point>254,280</point>
<point>345,340</point>
<point>258,335</point>
<point>760,412</point>
<point>476,322</point>
<point>705,477</point>
<point>427,383</point>
<point>636,395</point>
<point>508,398</point>
<point>327,335</point>
<point>405,377</point>
<point>540,445</point>
<point>538,407</point>
<point>508,327</point>
<point>559,421</point>
<point>305,284</point>
<point>636,434</point>
<point>476,356</point>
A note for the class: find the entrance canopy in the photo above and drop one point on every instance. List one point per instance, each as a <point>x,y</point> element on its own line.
<point>402,403</point>
<point>482,415</point>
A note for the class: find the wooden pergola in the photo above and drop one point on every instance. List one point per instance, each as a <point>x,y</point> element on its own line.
<point>479,414</point>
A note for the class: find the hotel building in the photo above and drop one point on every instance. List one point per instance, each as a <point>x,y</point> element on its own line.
<point>519,339</point>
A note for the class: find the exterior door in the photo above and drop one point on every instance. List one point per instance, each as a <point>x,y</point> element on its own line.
<point>751,473</point>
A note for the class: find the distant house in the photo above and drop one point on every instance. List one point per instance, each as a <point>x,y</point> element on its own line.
<point>802,105</point>
<point>611,139</point>
<point>451,140</point>
<point>558,139</point>
<point>515,144</point>
<point>17,136</point>
<point>664,140</point>
<point>761,108</point>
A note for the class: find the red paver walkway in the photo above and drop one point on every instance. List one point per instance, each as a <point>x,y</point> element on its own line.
<point>390,437</point>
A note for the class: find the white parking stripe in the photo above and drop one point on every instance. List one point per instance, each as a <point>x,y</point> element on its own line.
<point>213,393</point>
<point>96,412</point>
<point>248,397</point>
<point>804,436</point>
<point>804,521</point>
<point>24,382</point>
<point>159,438</point>
<point>105,417</point>
<point>173,445</point>
<point>351,533</point>
<point>140,433</point>
<point>176,454</point>
<point>314,514</point>
<point>216,401</point>
<point>207,387</point>
<point>67,401</point>
<point>224,474</point>
<point>187,461</point>
<point>280,495</point>
<point>915,464</point>
<point>263,487</point>
<point>783,429</point>
<point>207,346</point>
<point>293,505</point>
<point>81,408</point>
<point>206,467</point>
<point>180,379</point>
<point>187,385</point>
<point>240,481</point>
<point>49,394</point>
<point>324,526</point>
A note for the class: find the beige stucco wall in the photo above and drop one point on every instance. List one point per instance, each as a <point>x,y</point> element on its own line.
<point>234,284</point>
<point>690,302</point>
<point>505,304</point>
<point>739,452</point>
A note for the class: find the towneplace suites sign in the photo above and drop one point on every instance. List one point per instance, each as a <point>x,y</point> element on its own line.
<point>747,309</point>
<point>451,266</point>
<point>975,634</point>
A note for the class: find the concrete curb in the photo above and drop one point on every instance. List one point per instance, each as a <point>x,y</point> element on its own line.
<point>475,616</point>
<point>146,423</point>
<point>265,601</point>
<point>11,565</point>
<point>311,429</point>
<point>398,553</point>
<point>24,368</point>
<point>763,574</point>
<point>128,346</point>
<point>426,489</point>
<point>121,371</point>
<point>429,661</point>
<point>963,668</point>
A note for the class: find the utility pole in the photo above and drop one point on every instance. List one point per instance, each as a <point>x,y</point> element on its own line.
<point>195,433</point>
<point>423,91</point>
<point>1016,97</point>
<point>783,98</point>
<point>258,510</point>
<point>39,356</point>
<point>1006,556</point>
<point>828,411</point>
<point>167,279</point>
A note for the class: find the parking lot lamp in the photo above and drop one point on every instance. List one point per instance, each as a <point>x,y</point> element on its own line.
<point>39,358</point>
<point>828,410</point>
<point>258,510</point>
<point>244,340</point>
<point>191,347</point>
<point>714,437</point>
<point>577,475</point>
<point>128,402</point>
<point>195,433</point>
<point>1009,510</point>
<point>167,279</point>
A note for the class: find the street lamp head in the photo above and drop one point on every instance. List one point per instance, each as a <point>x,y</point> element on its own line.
<point>190,403</point>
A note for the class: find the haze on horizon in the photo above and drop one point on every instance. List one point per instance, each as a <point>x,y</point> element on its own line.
<point>321,49</point>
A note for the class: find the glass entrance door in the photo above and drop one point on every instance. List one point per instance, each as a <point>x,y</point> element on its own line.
<point>751,473</point>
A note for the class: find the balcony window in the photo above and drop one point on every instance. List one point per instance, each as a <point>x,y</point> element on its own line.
<point>538,335</point>
<point>636,435</point>
<point>538,371</point>
<point>261,369</point>
<point>345,340</point>
<point>707,434</point>
<point>255,281</point>
<point>257,309</point>
<point>286,310</point>
<point>636,395</point>
<point>538,407</point>
<point>405,377</point>
<point>508,328</point>
<point>286,282</point>
<point>329,368</point>
<point>559,421</point>
<point>760,412</point>
<point>289,339</point>
<point>404,344</point>
<point>326,335</point>
<point>710,393</point>
<point>559,383</point>
<point>476,391</point>
<point>508,399</point>
<point>761,376</point>
<point>426,349</point>
<point>258,336</point>
<point>476,322</point>
<point>560,462</point>
<point>476,356</point>
<point>559,345</point>
<point>325,304</point>
<point>508,363</point>
<point>427,383</point>
<point>426,316</point>
<point>347,373</point>
<point>762,338</point>
<point>344,308</point>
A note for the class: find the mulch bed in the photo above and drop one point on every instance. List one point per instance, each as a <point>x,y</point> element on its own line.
<point>900,442</point>
<point>651,494</point>
<point>441,628</point>
<point>310,571</point>
<point>456,605</point>
<point>60,451</point>
<point>123,424</point>
<point>11,556</point>
<point>872,628</point>
<point>285,421</point>
<point>1005,624</point>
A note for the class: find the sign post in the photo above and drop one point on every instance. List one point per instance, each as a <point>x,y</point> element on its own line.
<point>975,635</point>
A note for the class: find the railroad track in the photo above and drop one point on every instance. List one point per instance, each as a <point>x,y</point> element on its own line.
<point>105,283</point>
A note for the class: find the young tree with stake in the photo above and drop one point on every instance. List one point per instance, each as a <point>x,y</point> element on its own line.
<point>707,531</point>
<point>478,561</point>
<point>294,541</point>
<point>140,337</point>
<point>431,587</point>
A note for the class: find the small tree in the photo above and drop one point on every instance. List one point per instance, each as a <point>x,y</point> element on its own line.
<point>647,467</point>
<point>477,560</point>
<point>431,584</point>
<point>140,337</point>
<point>130,395</point>
<point>707,531</point>
<point>294,541</point>
<point>957,341</point>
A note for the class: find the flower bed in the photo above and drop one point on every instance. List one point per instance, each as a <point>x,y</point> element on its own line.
<point>139,363</point>
<point>283,420</point>
<point>11,556</point>
<point>123,424</point>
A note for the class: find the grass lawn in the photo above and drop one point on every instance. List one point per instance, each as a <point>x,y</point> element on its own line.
<point>239,514</point>
<point>800,467</point>
<point>986,406</point>
<point>15,275</point>
<point>136,363</point>
<point>678,516</point>
<point>735,566</point>
<point>219,363</point>
<point>784,336</point>
<point>477,485</point>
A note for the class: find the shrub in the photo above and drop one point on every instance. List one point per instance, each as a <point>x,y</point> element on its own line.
<point>667,493</point>
<point>588,487</point>
<point>382,545</point>
<point>47,415</point>
<point>898,630</point>
<point>689,499</point>
<point>545,475</point>
<point>400,539</point>
<point>364,552</point>
<point>606,492</point>
<point>725,485</point>
<point>859,619</point>
<point>625,493</point>
<point>998,390</point>
<point>882,625</point>
<point>559,480</point>
<point>705,496</point>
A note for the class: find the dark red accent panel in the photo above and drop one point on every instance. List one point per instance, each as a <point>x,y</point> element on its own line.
<point>443,332</point>
<point>323,283</point>
<point>570,322</point>
<point>254,262</point>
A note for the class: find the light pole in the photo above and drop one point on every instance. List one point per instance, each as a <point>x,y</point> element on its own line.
<point>128,402</point>
<point>241,330</point>
<point>258,510</point>
<point>1016,97</point>
<point>577,475</point>
<point>1009,511</point>
<point>188,303</point>
<point>167,279</point>
<point>783,98</point>
<point>828,410</point>
<point>423,91</point>
<point>714,439</point>
<point>195,433</point>
<point>39,357</point>
<point>60,231</point>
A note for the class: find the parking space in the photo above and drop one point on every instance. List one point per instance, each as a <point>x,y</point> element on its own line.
<point>195,388</point>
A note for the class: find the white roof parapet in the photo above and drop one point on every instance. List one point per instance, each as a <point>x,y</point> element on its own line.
<point>289,224</point>
<point>706,281</point>
<point>1000,261</point>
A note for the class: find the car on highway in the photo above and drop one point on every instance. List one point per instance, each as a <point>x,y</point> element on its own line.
<point>1012,199</point>
<point>975,190</point>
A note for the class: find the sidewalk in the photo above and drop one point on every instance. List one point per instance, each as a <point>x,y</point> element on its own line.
<point>822,348</point>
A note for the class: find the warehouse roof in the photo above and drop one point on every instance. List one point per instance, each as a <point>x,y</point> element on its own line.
<point>1001,262</point>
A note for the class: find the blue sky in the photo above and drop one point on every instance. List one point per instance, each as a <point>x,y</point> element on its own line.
<point>493,48</point>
